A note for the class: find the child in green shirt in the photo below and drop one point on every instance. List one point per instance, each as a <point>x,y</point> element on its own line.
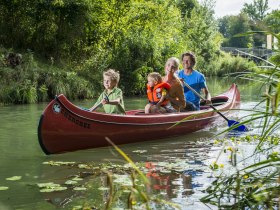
<point>112,97</point>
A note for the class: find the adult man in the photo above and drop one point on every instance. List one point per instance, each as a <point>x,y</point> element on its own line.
<point>194,79</point>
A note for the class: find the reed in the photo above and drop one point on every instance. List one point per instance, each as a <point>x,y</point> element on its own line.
<point>255,186</point>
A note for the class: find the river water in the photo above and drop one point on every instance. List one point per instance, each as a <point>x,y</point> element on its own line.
<point>23,164</point>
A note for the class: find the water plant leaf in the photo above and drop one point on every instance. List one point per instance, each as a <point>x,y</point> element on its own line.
<point>14,178</point>
<point>84,166</point>
<point>79,188</point>
<point>77,179</point>
<point>48,184</point>
<point>3,188</point>
<point>50,187</point>
<point>103,188</point>
<point>58,163</point>
<point>71,182</point>
<point>140,151</point>
<point>53,189</point>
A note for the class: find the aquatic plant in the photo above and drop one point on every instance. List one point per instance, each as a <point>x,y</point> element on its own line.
<point>257,185</point>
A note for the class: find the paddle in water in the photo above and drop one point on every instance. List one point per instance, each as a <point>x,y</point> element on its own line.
<point>231,123</point>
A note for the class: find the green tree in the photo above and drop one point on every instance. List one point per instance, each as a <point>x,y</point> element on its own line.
<point>273,20</point>
<point>232,25</point>
<point>148,38</point>
<point>79,38</point>
<point>186,6</point>
<point>201,34</point>
<point>256,10</point>
<point>50,28</point>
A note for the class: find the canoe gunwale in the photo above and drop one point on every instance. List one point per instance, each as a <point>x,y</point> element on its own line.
<point>188,115</point>
<point>119,119</point>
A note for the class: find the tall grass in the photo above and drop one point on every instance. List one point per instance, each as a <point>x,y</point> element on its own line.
<point>32,81</point>
<point>256,186</point>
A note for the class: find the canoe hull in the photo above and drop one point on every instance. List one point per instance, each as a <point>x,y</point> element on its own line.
<point>65,127</point>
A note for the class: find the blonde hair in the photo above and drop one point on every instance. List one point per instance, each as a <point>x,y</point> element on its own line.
<point>155,76</point>
<point>176,62</point>
<point>113,74</point>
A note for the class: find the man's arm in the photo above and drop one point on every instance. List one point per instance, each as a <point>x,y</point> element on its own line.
<point>207,95</point>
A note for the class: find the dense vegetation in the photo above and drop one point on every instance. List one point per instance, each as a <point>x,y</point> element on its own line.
<point>63,46</point>
<point>254,185</point>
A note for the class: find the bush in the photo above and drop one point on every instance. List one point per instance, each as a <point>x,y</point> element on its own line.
<point>32,81</point>
<point>226,64</point>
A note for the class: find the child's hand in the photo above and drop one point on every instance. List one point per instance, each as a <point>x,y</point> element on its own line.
<point>104,101</point>
<point>157,106</point>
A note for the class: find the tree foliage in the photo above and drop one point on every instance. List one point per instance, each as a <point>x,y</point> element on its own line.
<point>253,17</point>
<point>86,37</point>
<point>256,10</point>
<point>272,20</point>
<point>232,25</point>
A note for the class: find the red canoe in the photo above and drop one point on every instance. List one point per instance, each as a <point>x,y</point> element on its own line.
<point>65,127</point>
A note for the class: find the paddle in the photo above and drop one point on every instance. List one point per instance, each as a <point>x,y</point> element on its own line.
<point>99,104</point>
<point>95,107</point>
<point>241,127</point>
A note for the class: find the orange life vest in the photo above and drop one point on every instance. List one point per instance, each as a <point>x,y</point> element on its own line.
<point>154,93</point>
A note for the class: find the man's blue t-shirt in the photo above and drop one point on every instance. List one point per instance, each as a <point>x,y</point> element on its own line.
<point>197,81</point>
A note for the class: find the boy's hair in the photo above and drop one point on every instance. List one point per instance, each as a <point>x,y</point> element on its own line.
<point>191,55</point>
<point>155,76</point>
<point>176,62</point>
<point>113,74</point>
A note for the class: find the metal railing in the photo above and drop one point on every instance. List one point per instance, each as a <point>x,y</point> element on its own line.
<point>259,52</point>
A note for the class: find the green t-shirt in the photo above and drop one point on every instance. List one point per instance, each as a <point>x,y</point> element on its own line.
<point>112,109</point>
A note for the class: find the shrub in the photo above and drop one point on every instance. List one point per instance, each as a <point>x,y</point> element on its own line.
<point>226,64</point>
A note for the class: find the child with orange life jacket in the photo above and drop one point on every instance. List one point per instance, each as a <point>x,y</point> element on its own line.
<point>156,92</point>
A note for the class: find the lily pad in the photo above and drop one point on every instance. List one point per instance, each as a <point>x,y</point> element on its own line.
<point>58,163</point>
<point>53,189</point>
<point>140,151</point>
<point>3,188</point>
<point>103,188</point>
<point>77,179</point>
<point>50,187</point>
<point>84,166</point>
<point>71,182</point>
<point>79,188</point>
<point>14,178</point>
<point>48,184</point>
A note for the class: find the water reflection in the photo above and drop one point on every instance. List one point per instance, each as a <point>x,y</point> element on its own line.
<point>175,167</point>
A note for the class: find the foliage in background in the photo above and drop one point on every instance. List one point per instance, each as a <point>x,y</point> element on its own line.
<point>226,64</point>
<point>202,27</point>
<point>272,20</point>
<point>75,41</point>
<point>256,10</point>
<point>32,81</point>
<point>253,17</point>
<point>232,25</point>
